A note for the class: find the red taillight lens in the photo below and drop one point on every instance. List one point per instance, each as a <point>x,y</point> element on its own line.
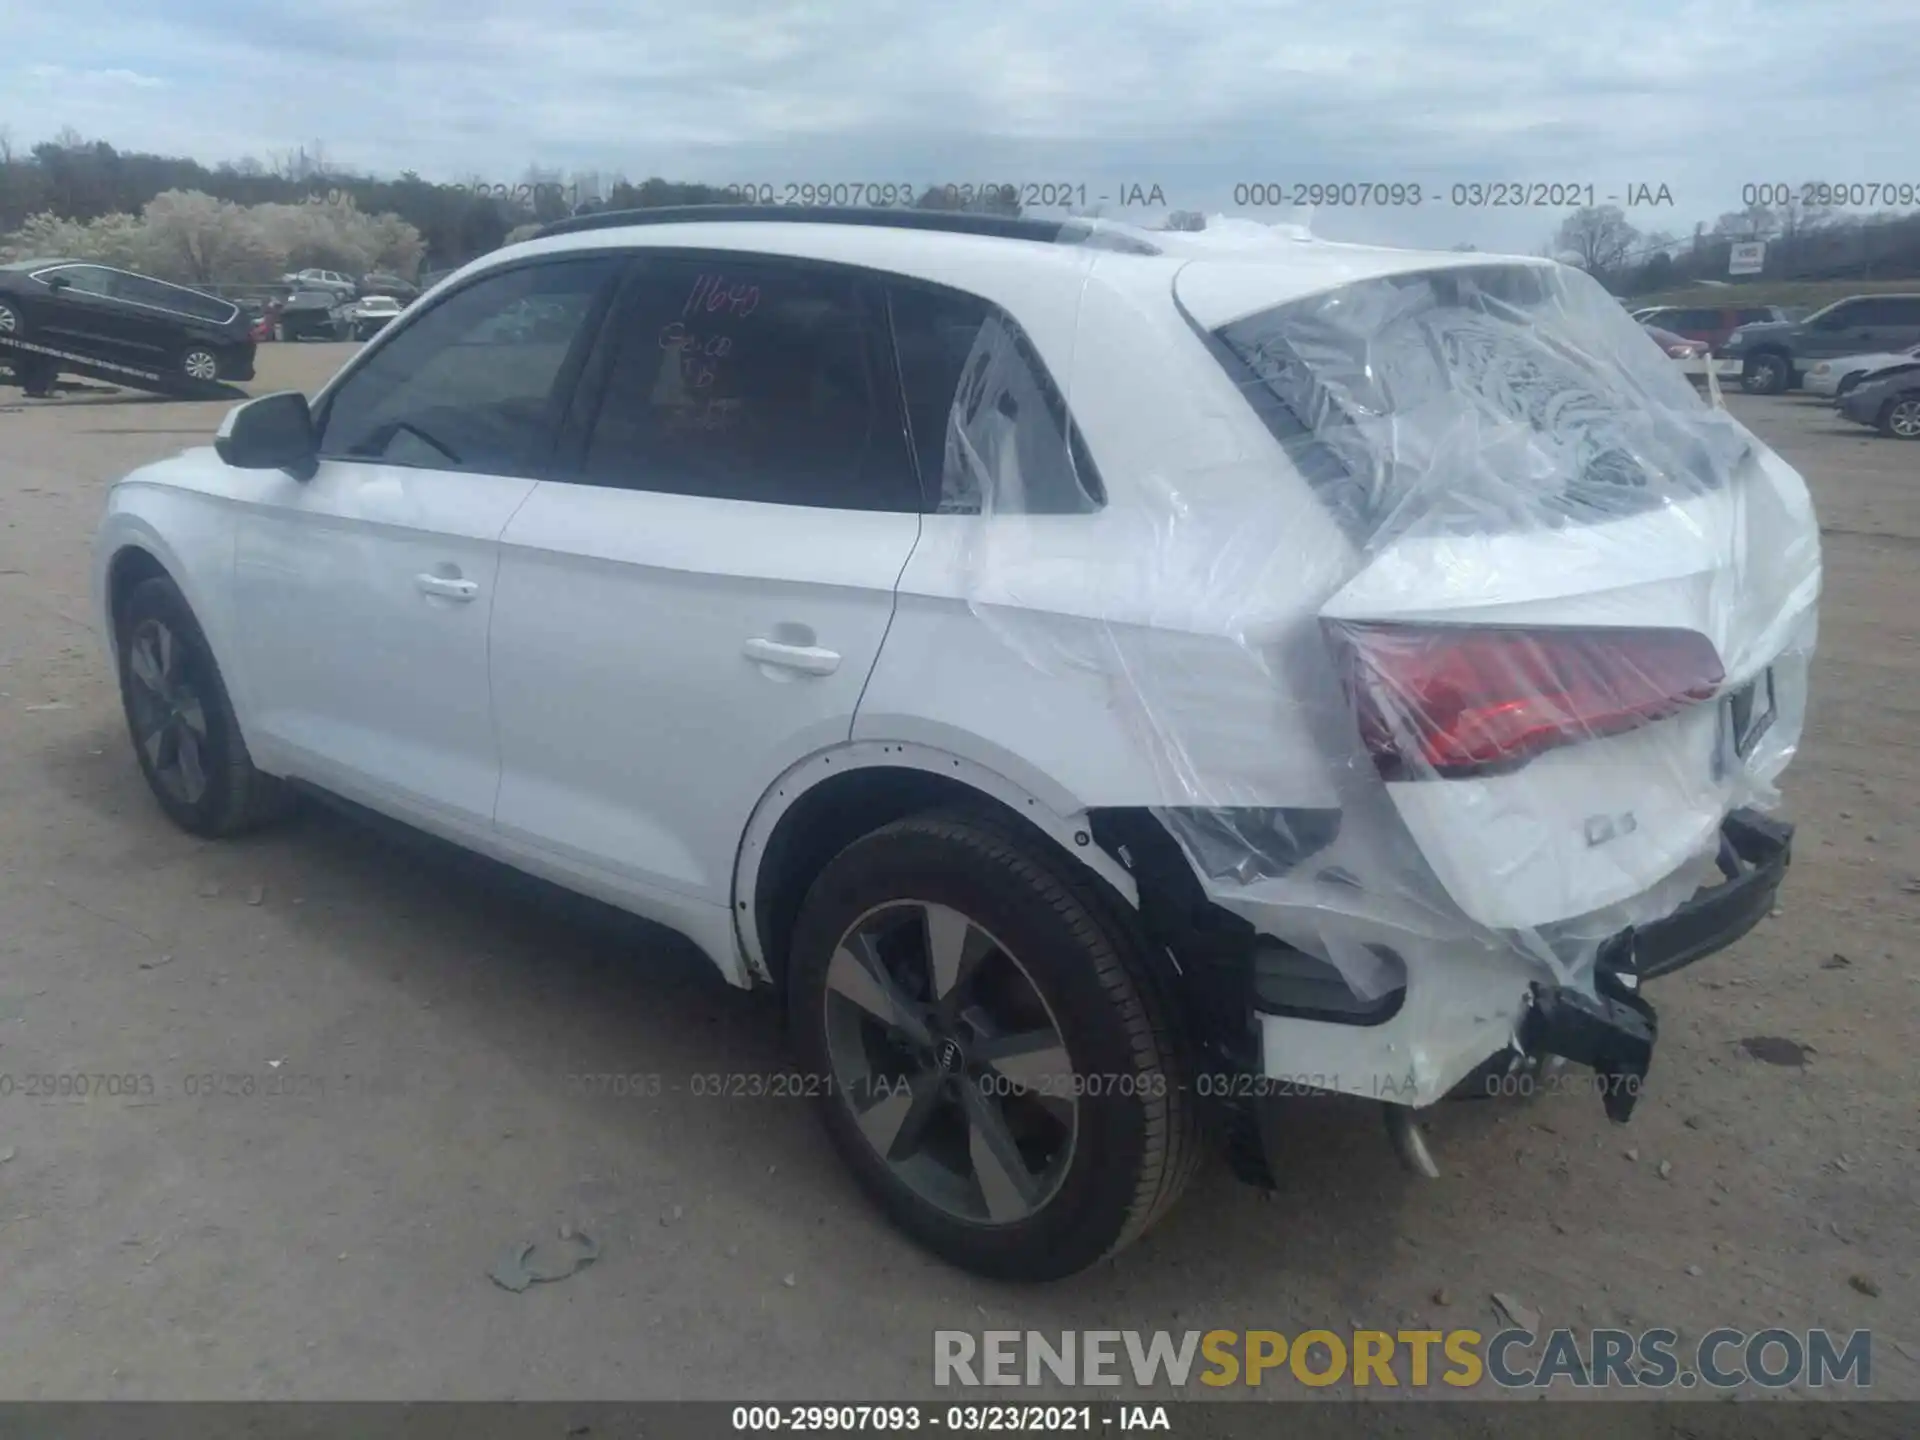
<point>1448,701</point>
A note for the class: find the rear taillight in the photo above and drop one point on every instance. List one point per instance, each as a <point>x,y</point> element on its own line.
<point>1438,701</point>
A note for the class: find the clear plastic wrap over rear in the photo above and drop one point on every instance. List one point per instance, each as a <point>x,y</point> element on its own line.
<point>1433,600</point>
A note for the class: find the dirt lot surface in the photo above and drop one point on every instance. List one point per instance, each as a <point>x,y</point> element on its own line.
<point>352,1069</point>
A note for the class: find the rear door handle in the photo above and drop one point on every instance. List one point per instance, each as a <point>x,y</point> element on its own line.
<point>807,659</point>
<point>446,588</point>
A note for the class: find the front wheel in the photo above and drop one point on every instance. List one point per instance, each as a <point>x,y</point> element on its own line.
<point>992,1058</point>
<point>13,325</point>
<point>1766,374</point>
<point>181,722</point>
<point>1900,417</point>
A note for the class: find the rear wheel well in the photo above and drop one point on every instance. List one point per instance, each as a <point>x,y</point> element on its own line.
<point>131,565</point>
<point>830,817</point>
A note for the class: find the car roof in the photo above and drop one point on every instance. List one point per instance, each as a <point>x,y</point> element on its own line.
<point>1247,265</point>
<point>44,262</point>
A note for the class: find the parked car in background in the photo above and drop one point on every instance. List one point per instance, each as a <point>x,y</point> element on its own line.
<point>378,282</point>
<point>1710,323</point>
<point>1776,356</point>
<point>308,315</point>
<point>77,317</point>
<point>1837,377</point>
<point>1694,357</point>
<point>1889,403</point>
<point>321,280</point>
<point>368,316</point>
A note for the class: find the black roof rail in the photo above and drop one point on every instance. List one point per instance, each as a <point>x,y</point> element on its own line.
<point>953,222</point>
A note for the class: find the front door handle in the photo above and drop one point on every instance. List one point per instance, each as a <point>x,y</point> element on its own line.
<point>807,659</point>
<point>445,588</point>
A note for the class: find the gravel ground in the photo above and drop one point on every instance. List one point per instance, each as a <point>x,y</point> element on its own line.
<point>388,1037</point>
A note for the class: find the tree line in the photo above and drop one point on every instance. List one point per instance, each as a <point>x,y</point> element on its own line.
<point>1804,242</point>
<point>251,219</point>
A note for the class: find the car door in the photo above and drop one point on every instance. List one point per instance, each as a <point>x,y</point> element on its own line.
<point>81,313</point>
<point>700,604</point>
<point>365,592</point>
<point>151,322</point>
<point>1894,321</point>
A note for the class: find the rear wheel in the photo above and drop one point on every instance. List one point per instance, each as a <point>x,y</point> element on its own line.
<point>1767,373</point>
<point>1900,417</point>
<point>200,363</point>
<point>181,722</point>
<point>992,1059</point>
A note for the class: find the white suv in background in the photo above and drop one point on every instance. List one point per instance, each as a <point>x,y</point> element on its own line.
<point>1104,679</point>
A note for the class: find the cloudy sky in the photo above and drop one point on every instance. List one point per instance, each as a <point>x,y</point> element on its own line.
<point>1699,96</point>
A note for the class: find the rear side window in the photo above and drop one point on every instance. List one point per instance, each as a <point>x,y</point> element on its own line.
<point>1891,310</point>
<point>477,381</point>
<point>1475,400</point>
<point>1755,317</point>
<point>980,402</point>
<point>744,378</point>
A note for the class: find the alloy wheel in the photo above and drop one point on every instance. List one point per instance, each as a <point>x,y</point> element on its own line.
<point>1765,374</point>
<point>1904,419</point>
<point>201,365</point>
<point>9,322</point>
<point>950,1062</point>
<point>169,716</point>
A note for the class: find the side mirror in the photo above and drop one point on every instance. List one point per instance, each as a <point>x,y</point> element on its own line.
<point>58,283</point>
<point>274,432</point>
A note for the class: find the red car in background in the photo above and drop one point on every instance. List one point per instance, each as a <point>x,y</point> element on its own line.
<point>1710,323</point>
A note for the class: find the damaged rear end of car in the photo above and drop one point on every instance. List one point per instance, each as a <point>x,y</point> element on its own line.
<point>1542,618</point>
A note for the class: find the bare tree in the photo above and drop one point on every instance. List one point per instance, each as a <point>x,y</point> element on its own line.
<point>1599,238</point>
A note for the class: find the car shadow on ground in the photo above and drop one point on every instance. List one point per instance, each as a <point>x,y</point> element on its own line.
<point>544,982</point>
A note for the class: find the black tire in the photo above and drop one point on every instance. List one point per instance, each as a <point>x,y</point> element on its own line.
<point>1135,1140</point>
<point>1767,373</point>
<point>13,323</point>
<point>234,797</point>
<point>200,364</point>
<point>1899,418</point>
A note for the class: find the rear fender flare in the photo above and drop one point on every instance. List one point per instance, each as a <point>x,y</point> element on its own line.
<point>1070,829</point>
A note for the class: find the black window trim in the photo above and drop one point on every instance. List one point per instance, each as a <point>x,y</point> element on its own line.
<point>1093,484</point>
<point>566,379</point>
<point>583,414</point>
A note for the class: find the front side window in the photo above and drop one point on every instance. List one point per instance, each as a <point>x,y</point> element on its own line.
<point>85,279</point>
<point>986,417</point>
<point>476,382</point>
<point>743,378</point>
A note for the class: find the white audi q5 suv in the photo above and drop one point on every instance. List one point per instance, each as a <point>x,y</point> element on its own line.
<point>1102,679</point>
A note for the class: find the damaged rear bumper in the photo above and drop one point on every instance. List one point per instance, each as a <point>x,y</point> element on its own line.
<point>1612,1030</point>
<point>1469,1014</point>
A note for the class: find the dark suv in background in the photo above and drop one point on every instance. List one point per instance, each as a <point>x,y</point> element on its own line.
<point>1774,356</point>
<point>78,317</point>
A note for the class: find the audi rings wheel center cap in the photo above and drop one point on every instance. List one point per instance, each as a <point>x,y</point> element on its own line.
<point>951,1057</point>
